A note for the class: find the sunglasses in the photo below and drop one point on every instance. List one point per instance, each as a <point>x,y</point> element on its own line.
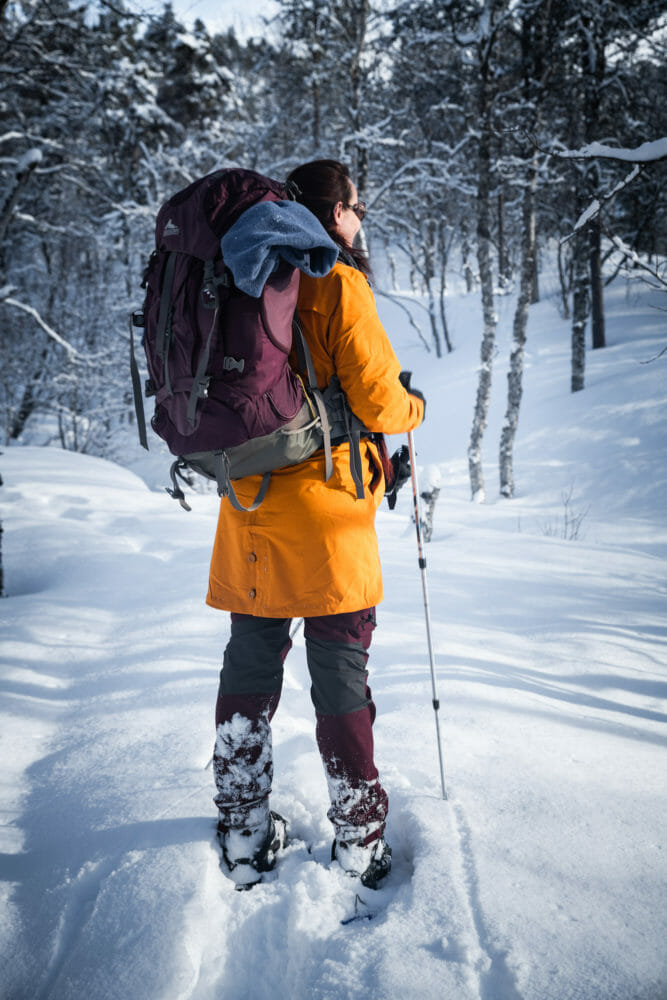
<point>359,209</point>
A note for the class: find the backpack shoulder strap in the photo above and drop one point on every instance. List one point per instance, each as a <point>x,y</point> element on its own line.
<point>306,365</point>
<point>332,406</point>
<point>346,424</point>
<point>200,383</point>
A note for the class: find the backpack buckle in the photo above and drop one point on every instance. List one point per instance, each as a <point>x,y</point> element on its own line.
<point>231,364</point>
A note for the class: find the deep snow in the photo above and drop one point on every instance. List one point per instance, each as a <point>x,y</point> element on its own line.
<point>543,875</point>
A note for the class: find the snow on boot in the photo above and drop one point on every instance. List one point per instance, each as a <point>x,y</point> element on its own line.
<point>368,862</point>
<point>249,852</point>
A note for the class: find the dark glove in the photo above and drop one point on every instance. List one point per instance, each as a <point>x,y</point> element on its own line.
<point>400,462</point>
<point>404,379</point>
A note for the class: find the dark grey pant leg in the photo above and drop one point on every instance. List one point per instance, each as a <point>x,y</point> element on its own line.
<point>254,657</point>
<point>337,649</point>
<point>337,652</point>
<point>248,695</point>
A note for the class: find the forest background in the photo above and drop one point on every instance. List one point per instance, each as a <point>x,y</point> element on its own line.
<point>484,135</point>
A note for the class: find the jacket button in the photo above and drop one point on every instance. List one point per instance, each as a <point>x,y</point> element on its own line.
<point>252,593</point>
<point>252,557</point>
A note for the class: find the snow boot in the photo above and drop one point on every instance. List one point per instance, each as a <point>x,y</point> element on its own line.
<point>368,862</point>
<point>249,852</point>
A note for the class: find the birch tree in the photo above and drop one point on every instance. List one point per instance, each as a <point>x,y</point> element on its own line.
<point>536,38</point>
<point>488,16</point>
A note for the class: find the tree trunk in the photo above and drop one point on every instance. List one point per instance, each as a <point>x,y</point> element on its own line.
<point>465,257</point>
<point>435,335</point>
<point>488,310</point>
<point>564,283</point>
<point>515,374</point>
<point>503,262</point>
<point>359,23</point>
<point>2,578</point>
<point>592,45</point>
<point>443,289</point>
<point>428,250</point>
<point>535,291</point>
<point>316,93</point>
<point>579,313</point>
<point>597,301</point>
<point>19,181</point>
<point>28,402</point>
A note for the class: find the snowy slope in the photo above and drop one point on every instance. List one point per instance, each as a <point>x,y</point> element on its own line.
<point>543,875</point>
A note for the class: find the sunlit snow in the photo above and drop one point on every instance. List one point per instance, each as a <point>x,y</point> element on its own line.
<point>542,877</point>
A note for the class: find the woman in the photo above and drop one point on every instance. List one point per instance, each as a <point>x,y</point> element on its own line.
<point>310,550</point>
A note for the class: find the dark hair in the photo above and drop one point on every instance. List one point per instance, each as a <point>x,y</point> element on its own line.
<point>320,185</point>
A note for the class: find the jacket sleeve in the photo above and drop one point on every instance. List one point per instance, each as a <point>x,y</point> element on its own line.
<point>365,362</point>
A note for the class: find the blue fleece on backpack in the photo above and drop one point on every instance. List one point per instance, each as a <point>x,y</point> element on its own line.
<point>269,232</point>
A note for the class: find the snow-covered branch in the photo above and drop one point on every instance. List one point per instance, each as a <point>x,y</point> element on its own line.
<point>648,152</point>
<point>656,273</point>
<point>596,206</point>
<point>6,299</point>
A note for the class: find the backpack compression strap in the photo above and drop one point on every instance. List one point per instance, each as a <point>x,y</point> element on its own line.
<point>163,338</point>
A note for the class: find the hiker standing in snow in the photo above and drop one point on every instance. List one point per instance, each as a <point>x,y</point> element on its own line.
<point>310,551</point>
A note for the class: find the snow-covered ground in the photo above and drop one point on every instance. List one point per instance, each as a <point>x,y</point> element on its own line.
<point>542,877</point>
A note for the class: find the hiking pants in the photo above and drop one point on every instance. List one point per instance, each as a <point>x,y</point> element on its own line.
<point>250,685</point>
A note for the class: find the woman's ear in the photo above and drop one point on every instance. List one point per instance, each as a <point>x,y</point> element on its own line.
<point>337,213</point>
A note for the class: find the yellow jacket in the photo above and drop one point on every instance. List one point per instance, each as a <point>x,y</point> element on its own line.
<point>311,548</point>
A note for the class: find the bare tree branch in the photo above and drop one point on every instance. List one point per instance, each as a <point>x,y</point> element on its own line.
<point>655,358</point>
<point>393,297</point>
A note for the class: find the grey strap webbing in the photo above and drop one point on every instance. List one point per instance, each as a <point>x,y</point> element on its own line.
<point>226,489</point>
<point>136,392</point>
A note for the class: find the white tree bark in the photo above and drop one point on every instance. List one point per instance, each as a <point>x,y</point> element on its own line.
<point>515,373</point>
<point>490,322</point>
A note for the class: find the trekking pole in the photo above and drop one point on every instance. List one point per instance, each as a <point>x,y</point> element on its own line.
<point>427,613</point>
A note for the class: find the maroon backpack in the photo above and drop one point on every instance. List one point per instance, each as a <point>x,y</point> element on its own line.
<point>227,402</point>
